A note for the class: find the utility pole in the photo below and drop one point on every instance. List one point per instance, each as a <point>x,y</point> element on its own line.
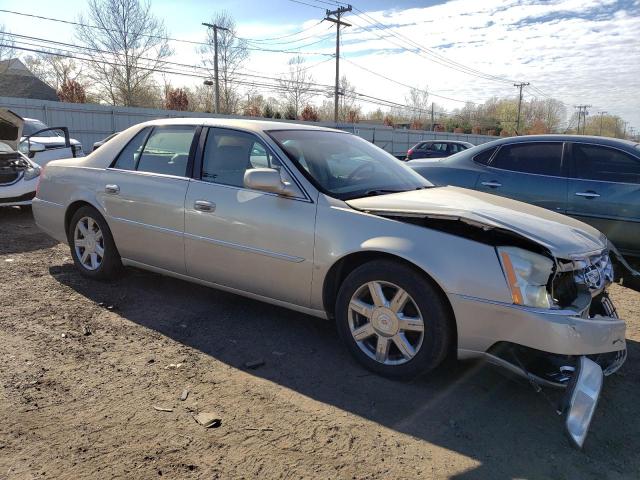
<point>432,122</point>
<point>339,23</point>
<point>582,114</point>
<point>601,116</point>
<point>520,86</point>
<point>215,60</point>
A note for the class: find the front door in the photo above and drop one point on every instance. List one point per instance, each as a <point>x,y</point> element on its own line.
<point>143,195</point>
<point>244,239</point>
<point>604,191</point>
<point>532,172</point>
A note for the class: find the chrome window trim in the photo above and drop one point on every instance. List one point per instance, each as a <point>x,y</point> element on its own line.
<point>579,142</point>
<point>305,196</point>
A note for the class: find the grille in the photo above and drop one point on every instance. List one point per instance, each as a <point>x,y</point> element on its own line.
<point>9,177</point>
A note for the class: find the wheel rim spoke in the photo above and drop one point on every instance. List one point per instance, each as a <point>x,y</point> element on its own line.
<point>404,346</point>
<point>100,251</point>
<point>85,255</point>
<point>377,295</point>
<point>411,324</point>
<point>83,229</point>
<point>361,307</point>
<point>81,242</point>
<point>382,349</point>
<point>363,332</point>
<point>399,300</point>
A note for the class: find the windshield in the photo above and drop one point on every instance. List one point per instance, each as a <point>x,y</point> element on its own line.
<point>32,126</point>
<point>345,166</point>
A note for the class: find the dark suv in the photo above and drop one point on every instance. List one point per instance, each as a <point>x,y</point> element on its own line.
<point>436,149</point>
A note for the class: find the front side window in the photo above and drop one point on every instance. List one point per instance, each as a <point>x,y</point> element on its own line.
<point>346,166</point>
<point>228,154</point>
<point>32,126</point>
<point>167,150</point>
<point>594,162</point>
<point>539,157</point>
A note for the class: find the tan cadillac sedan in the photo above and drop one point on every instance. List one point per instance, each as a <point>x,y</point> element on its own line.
<point>323,222</point>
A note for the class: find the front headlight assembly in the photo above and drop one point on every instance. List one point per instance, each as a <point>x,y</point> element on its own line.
<point>527,275</point>
<point>32,172</point>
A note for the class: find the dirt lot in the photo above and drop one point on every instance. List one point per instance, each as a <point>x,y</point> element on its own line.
<point>85,363</point>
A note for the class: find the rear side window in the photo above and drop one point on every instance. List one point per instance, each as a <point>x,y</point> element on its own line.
<point>540,158</point>
<point>594,162</point>
<point>129,156</point>
<point>167,151</point>
<point>484,156</point>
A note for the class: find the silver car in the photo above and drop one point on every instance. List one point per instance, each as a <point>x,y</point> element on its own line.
<point>325,223</point>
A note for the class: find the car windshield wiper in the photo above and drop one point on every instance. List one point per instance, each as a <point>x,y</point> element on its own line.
<point>381,191</point>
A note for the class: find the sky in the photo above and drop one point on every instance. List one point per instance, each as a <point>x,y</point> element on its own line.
<point>577,51</point>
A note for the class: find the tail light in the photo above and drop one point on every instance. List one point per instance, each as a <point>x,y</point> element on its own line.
<point>409,152</point>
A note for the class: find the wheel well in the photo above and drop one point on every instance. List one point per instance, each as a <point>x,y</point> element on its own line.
<point>343,267</point>
<point>71,210</point>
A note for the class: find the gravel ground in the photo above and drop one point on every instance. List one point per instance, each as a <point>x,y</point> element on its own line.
<point>88,369</point>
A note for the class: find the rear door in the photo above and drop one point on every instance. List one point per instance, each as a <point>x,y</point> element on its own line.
<point>604,191</point>
<point>143,194</point>
<point>532,172</point>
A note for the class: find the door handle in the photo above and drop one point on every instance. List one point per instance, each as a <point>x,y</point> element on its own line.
<point>204,206</point>
<point>492,184</point>
<point>588,194</point>
<point>112,188</point>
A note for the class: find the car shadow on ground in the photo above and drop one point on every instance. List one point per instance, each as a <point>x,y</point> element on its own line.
<point>469,408</point>
<point>19,234</point>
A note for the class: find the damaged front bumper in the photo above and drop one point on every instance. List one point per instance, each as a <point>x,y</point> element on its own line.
<point>563,349</point>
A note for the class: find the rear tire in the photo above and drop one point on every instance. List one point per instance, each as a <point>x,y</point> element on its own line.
<point>393,320</point>
<point>92,247</point>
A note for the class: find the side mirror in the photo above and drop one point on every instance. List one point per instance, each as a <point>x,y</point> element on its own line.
<point>36,148</point>
<point>267,180</point>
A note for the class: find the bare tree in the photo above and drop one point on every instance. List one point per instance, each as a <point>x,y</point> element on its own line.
<point>296,85</point>
<point>55,70</point>
<point>232,53</point>
<point>347,106</point>
<point>126,50</point>
<point>7,49</point>
<point>418,103</point>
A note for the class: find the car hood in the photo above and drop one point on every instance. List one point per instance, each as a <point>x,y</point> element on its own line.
<point>10,128</point>
<point>563,236</point>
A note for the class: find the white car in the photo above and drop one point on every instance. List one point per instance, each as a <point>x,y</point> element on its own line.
<point>42,143</point>
<point>18,174</point>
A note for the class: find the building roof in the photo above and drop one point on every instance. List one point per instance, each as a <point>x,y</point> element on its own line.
<point>17,81</point>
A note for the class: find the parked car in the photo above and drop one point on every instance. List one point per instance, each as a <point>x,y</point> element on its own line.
<point>99,143</point>
<point>436,149</point>
<point>18,175</point>
<point>593,179</point>
<point>43,144</point>
<point>323,222</point>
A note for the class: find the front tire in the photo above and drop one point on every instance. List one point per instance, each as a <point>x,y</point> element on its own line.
<point>393,319</point>
<point>92,247</point>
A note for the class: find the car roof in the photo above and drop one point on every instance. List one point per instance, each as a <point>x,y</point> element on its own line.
<point>614,142</point>
<point>247,124</point>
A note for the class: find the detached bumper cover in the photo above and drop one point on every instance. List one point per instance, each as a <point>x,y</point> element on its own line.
<point>482,323</point>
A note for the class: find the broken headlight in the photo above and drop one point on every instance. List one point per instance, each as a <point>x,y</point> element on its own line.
<point>527,275</point>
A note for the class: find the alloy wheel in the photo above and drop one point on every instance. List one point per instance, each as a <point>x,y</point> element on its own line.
<point>386,323</point>
<point>88,243</point>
